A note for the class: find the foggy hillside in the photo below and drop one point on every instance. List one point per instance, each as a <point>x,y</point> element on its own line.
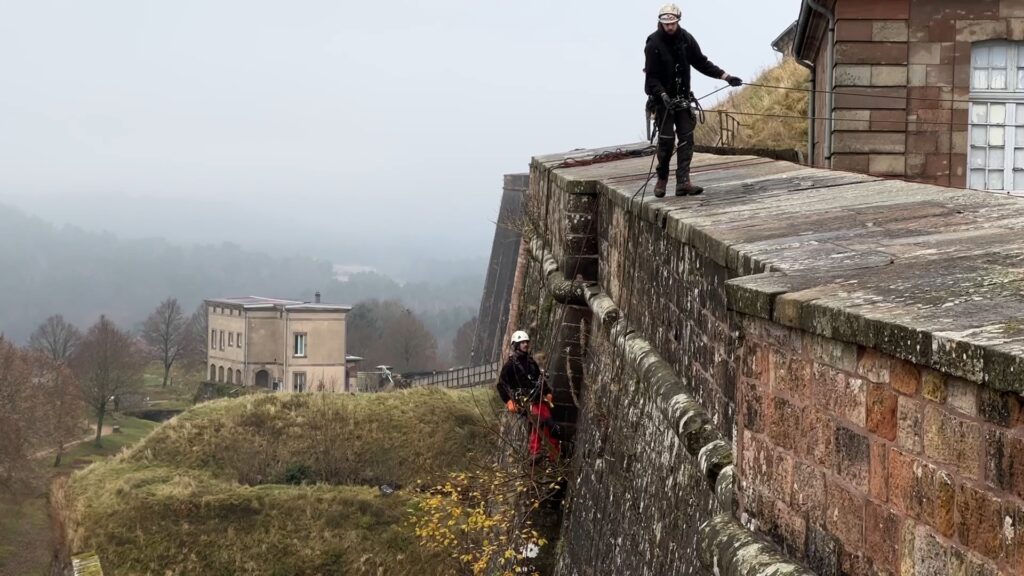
<point>49,270</point>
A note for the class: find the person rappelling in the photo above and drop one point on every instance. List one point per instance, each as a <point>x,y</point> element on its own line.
<point>670,52</point>
<point>524,390</point>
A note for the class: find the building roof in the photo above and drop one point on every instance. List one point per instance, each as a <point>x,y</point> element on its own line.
<point>260,302</point>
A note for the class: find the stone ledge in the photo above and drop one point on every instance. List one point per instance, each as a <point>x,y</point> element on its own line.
<point>924,273</point>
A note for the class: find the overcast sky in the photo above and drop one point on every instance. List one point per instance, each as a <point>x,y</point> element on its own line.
<point>322,123</point>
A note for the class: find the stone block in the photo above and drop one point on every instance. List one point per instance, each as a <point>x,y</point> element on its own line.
<point>925,53</point>
<point>978,30</point>
<point>854,30</point>
<point>871,53</point>
<point>874,365</point>
<point>851,162</point>
<point>915,164</point>
<point>917,75</point>
<point>1015,29</point>
<point>964,563</point>
<point>818,439</point>
<point>878,472</point>
<point>933,385</point>
<point>909,418</point>
<point>953,440</point>
<point>866,143</point>
<point>839,394</point>
<point>921,491</point>
<point>1011,9</point>
<point>754,409</point>
<point>890,31</point>
<point>1004,461</point>
<point>930,555</point>
<point>755,361</point>
<point>790,530</point>
<point>1001,408</point>
<point>809,499</point>
<point>784,427</point>
<point>845,516</point>
<point>822,552</point>
<point>959,142</point>
<point>873,98</point>
<point>790,375</point>
<point>938,74</point>
<point>852,120</point>
<point>979,523</point>
<point>853,75</point>
<point>889,120</point>
<point>1013,532</point>
<point>881,411</point>
<point>887,164</point>
<point>904,377</point>
<point>874,10</point>
<point>889,75</point>
<point>962,396</point>
<point>853,455</point>
<point>832,353</point>
<point>882,531</point>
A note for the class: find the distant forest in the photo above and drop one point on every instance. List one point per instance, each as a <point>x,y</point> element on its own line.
<point>48,270</point>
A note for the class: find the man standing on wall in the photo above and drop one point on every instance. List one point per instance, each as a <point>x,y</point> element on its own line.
<point>670,52</point>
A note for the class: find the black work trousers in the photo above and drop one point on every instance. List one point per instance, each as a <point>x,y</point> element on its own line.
<point>680,123</point>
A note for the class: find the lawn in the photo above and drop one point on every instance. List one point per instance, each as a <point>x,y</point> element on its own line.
<point>84,453</point>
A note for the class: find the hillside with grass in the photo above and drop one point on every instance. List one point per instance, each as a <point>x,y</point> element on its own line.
<point>279,484</point>
<point>765,131</point>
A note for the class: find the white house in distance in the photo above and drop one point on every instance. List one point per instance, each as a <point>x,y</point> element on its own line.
<point>280,345</point>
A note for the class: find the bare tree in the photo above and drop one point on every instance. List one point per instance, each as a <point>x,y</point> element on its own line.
<point>462,344</point>
<point>55,342</point>
<point>108,364</point>
<point>164,333</point>
<point>55,339</point>
<point>410,343</point>
<point>196,340</point>
<point>21,414</point>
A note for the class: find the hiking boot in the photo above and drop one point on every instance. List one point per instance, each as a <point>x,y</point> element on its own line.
<point>687,188</point>
<point>660,186</point>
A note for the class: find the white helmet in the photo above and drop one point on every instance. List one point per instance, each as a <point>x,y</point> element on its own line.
<point>669,13</point>
<point>520,336</point>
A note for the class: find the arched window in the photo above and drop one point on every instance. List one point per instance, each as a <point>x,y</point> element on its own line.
<point>213,373</point>
<point>996,158</point>
<point>231,376</point>
<point>238,376</point>
<point>220,374</point>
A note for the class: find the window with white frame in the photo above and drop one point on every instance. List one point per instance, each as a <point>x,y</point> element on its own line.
<point>213,339</point>
<point>299,382</point>
<point>238,339</point>
<point>300,344</point>
<point>231,339</point>
<point>996,157</point>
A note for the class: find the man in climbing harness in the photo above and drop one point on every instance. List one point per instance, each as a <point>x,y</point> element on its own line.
<point>523,388</point>
<point>670,52</point>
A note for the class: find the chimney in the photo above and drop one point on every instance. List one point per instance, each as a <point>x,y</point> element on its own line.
<point>316,297</point>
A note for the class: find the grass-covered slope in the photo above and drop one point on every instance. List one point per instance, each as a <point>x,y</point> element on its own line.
<point>766,131</point>
<point>277,484</point>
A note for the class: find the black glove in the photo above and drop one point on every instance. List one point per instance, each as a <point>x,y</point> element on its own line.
<point>666,100</point>
<point>733,81</point>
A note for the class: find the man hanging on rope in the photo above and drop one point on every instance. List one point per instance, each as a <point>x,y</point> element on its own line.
<point>670,52</point>
<point>523,388</point>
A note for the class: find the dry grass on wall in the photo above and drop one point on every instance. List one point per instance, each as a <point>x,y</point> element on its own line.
<point>766,132</point>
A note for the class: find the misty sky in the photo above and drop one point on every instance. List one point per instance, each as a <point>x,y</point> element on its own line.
<point>324,126</point>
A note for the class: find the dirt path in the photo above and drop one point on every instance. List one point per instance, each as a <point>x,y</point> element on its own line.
<point>105,431</point>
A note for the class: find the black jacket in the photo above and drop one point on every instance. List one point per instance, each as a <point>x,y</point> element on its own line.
<point>519,376</point>
<point>669,56</point>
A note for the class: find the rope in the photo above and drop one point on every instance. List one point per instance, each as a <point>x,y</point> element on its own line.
<point>864,94</point>
<point>796,117</point>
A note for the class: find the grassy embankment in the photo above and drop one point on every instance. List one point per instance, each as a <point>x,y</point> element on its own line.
<point>764,131</point>
<point>278,484</point>
<point>26,535</point>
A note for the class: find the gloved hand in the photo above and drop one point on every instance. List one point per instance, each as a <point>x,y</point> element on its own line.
<point>550,399</point>
<point>734,81</point>
<point>511,405</point>
<point>666,100</point>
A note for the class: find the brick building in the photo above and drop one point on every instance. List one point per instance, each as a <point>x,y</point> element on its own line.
<point>930,90</point>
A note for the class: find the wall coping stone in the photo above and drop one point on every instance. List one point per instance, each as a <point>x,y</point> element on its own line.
<point>925,273</point>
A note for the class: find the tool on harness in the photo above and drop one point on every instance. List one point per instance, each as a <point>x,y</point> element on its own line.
<point>686,101</point>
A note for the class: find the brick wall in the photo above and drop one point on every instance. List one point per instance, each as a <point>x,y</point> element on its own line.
<point>860,463</point>
<point>908,64</point>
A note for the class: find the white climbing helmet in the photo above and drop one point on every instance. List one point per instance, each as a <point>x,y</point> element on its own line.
<point>520,336</point>
<point>669,13</point>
